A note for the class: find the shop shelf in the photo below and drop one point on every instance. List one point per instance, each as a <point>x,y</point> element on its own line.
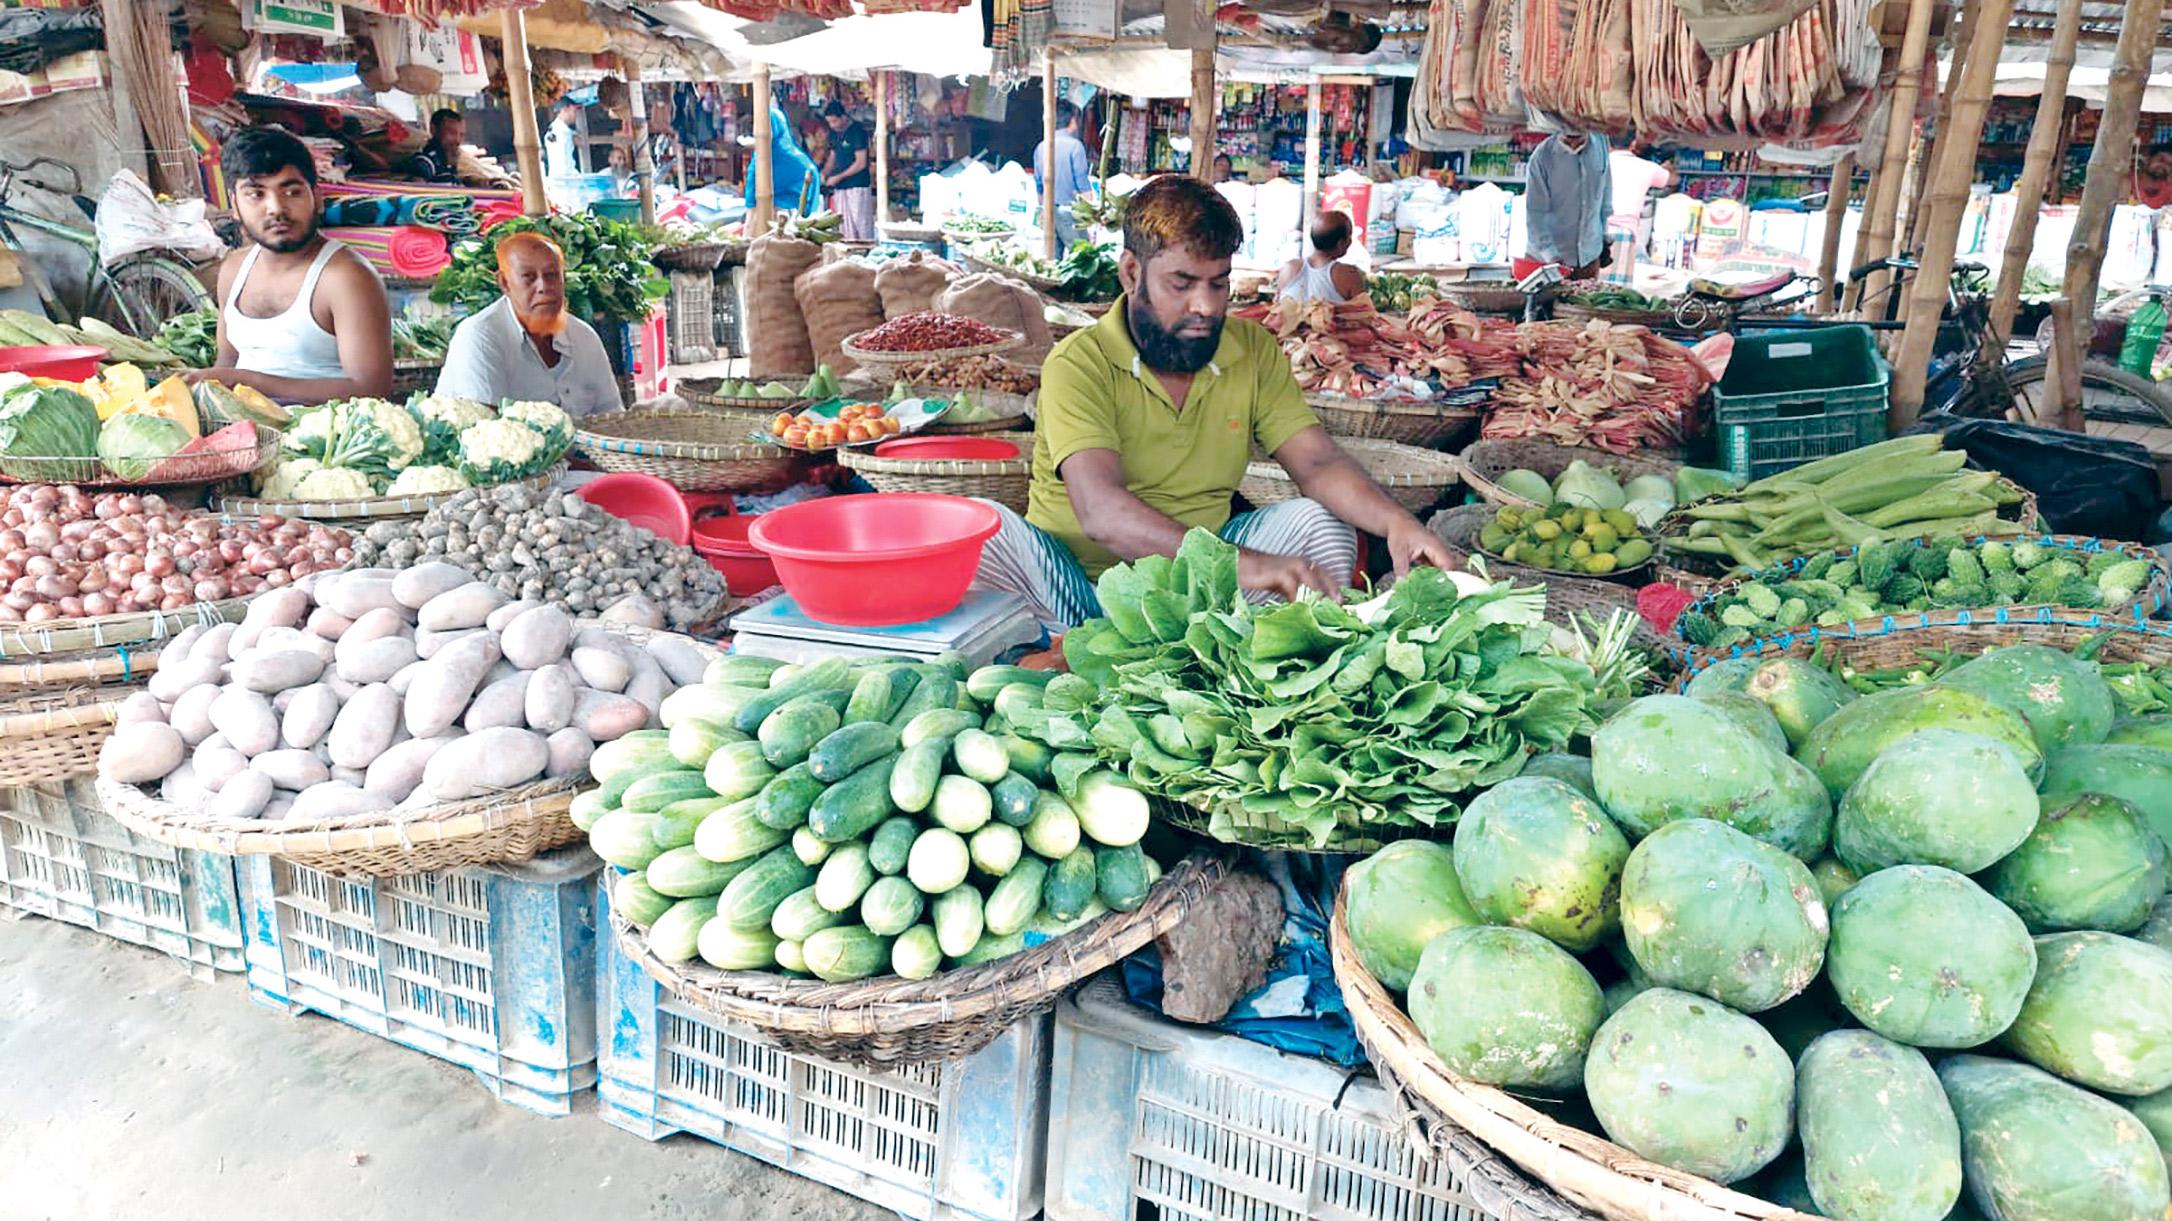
<point>1149,1118</point>
<point>491,968</point>
<point>65,858</point>
<point>1790,397</point>
<point>958,1141</point>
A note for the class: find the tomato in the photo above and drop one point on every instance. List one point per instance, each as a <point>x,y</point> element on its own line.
<point>781,424</point>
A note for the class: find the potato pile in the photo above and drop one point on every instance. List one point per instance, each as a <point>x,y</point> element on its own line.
<point>369,690</point>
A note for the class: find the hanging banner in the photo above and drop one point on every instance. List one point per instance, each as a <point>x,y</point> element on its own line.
<point>317,18</point>
<point>454,52</point>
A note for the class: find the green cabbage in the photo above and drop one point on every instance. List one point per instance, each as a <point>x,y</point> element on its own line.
<point>1588,487</point>
<point>47,422</point>
<point>131,443</point>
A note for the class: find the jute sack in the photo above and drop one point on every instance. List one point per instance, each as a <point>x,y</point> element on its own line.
<point>1002,302</point>
<point>838,299</point>
<point>911,284</point>
<point>777,341</point>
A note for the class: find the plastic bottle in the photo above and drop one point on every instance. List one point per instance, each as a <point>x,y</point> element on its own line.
<point>2145,330</point>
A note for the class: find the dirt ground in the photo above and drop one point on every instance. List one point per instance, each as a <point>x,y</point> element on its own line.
<point>129,1090</point>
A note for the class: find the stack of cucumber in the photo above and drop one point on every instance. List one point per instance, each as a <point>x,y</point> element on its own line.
<point>845,819</point>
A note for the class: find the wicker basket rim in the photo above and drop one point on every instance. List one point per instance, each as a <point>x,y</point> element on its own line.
<point>1483,463</point>
<point>869,356</point>
<point>974,262</point>
<point>43,712</point>
<point>265,447</point>
<point>699,451</point>
<point>2040,625</point>
<point>1412,407</point>
<point>111,631</point>
<point>867,460</point>
<point>376,506</point>
<point>1437,469</point>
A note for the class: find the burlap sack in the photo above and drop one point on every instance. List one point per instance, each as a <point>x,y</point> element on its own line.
<point>1002,302</point>
<point>776,332</point>
<point>838,299</point>
<point>911,284</point>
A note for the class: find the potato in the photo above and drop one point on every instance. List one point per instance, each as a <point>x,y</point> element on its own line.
<point>441,692</point>
<point>602,669</point>
<point>327,623</point>
<point>142,706</point>
<point>279,808</point>
<point>246,719</point>
<point>216,643</point>
<point>636,610</point>
<point>143,752</point>
<point>270,670</point>
<point>365,726</point>
<point>465,607</point>
<point>479,763</point>
<point>309,716</point>
<point>681,661</point>
<point>509,612</point>
<point>550,696</point>
<point>605,638</point>
<point>244,795</point>
<point>606,716</point>
<point>538,638</point>
<point>570,749</point>
<point>216,763</point>
<point>280,639</point>
<point>504,702</point>
<point>648,684</point>
<point>191,714</point>
<point>283,700</point>
<point>375,625</point>
<point>397,772</point>
<point>356,593</point>
<point>406,677</point>
<point>428,643</point>
<point>182,788</point>
<point>334,799</point>
<point>501,669</point>
<point>291,769</point>
<point>282,607</point>
<point>341,687</point>
<point>183,645</point>
<point>414,587</point>
<point>376,661</point>
<point>350,775</point>
<point>174,679</point>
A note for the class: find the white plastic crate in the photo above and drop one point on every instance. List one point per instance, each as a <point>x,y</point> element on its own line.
<point>961,1141</point>
<point>492,968</point>
<point>1152,1119</point>
<point>63,857</point>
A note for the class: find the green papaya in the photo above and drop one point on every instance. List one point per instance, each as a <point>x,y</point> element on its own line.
<point>1535,853</point>
<point>2063,699</point>
<point>1924,956</point>
<point>2034,1147</point>
<point>2091,863</point>
<point>1689,1083</point>
<point>2099,1013</point>
<point>1879,1138</point>
<point>1939,797</point>
<point>1845,743</point>
<point>1399,899</point>
<point>1707,909</point>
<point>1506,1007</point>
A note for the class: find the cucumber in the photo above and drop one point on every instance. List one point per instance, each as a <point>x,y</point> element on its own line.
<point>1071,885</point>
<point>880,693</point>
<point>586,808</point>
<point>643,750</point>
<point>737,949</point>
<point>938,862</point>
<point>791,958</point>
<point>1109,810</point>
<point>782,674</point>
<point>740,670</point>
<point>1015,797</point>
<point>1120,877</point>
<point>824,675</point>
<point>851,748</point>
<point>1017,898</point>
<point>1017,700</point>
<point>935,689</point>
<point>802,914</point>
<point>957,664</point>
<point>958,921</point>
<point>919,767</point>
<point>1028,757</point>
<point>1046,927</point>
<point>996,849</point>
<point>1066,769</point>
<point>674,936</point>
<point>891,845</point>
<point>988,949</point>
<point>963,701</point>
<point>961,804</point>
<point>986,682</point>
<point>704,702</point>
<point>738,771</point>
<point>807,848</point>
<point>752,898</point>
<point>736,833</point>
<point>684,873</point>
<point>890,906</point>
<point>845,953</point>
<point>633,898</point>
<point>980,755</point>
<point>844,877</point>
<point>916,954</point>
<point>789,733</point>
<point>1053,833</point>
<point>783,802</point>
<point>659,789</point>
<point>853,806</point>
<point>693,740</point>
<point>936,723</point>
<point>630,839</point>
<point>999,727</point>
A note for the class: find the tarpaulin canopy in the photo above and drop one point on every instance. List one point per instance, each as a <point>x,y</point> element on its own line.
<point>932,44</point>
<point>2087,82</point>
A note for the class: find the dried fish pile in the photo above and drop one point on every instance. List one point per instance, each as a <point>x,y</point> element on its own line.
<point>1616,388</point>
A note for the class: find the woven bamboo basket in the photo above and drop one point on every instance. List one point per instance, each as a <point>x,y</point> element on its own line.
<point>1414,478</point>
<point>104,648</point>
<point>695,451</point>
<point>364,511</point>
<point>1004,480</point>
<point>1425,425</point>
<point>414,377</point>
<point>967,237</point>
<point>878,361</point>
<point>697,257</point>
<point>699,391</point>
<point>1566,596</point>
<point>1459,527</point>
<point>1046,284</point>
<point>52,735</point>
<point>188,470</point>
<point>1486,461</point>
<point>1231,823</point>
<point>1662,321</point>
<point>1485,297</point>
<point>1013,423</point>
<point>889,1020</point>
<point>1907,644</point>
<point>1588,1175</point>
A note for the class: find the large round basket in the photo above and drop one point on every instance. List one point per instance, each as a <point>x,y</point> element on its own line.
<point>1230,823</point>
<point>414,377</point>
<point>878,360</point>
<point>1485,297</point>
<point>52,735</point>
<point>1486,461</point>
<point>1662,321</point>
<point>1010,409</point>
<point>694,257</point>
<point>1003,480</point>
<point>694,451</point>
<point>1588,1175</point>
<point>188,470</point>
<point>1425,425</point>
<point>906,231</point>
<point>1414,478</point>
<point>366,510</point>
<point>700,392</point>
<point>1046,284</point>
<point>109,648</point>
<point>889,1020</point>
<point>1566,596</point>
<point>1919,646</point>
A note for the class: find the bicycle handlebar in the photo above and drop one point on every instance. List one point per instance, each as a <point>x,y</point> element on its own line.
<point>9,170</point>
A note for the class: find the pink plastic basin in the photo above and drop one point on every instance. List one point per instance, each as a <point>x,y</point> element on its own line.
<point>877,560</point>
<point>63,362</point>
<point>644,501</point>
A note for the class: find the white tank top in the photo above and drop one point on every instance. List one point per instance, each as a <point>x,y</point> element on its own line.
<point>289,343</point>
<point>1314,284</point>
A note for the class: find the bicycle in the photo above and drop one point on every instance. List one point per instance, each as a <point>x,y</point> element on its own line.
<point>135,295</point>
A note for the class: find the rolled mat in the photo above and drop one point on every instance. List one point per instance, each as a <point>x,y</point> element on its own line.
<point>419,253</point>
<point>374,244</point>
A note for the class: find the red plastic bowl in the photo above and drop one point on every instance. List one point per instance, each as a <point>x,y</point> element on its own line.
<point>874,561</point>
<point>981,449</point>
<point>644,501</point>
<point>723,542</point>
<point>63,362</point>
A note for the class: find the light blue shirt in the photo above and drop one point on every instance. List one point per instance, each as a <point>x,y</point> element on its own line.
<point>1566,199</point>
<point>1074,173</point>
<point>491,359</point>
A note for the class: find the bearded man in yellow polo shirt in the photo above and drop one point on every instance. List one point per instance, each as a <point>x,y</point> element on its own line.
<point>1147,419</point>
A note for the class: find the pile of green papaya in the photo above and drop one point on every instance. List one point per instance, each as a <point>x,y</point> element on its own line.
<point>1893,956</point>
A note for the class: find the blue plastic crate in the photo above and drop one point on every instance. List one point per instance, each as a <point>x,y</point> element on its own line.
<point>961,1141</point>
<point>492,968</point>
<point>63,857</point>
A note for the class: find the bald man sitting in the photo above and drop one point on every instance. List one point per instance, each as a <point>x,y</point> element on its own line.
<point>525,347</point>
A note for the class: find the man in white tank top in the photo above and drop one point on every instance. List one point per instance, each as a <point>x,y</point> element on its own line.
<point>1322,275</point>
<point>301,318</point>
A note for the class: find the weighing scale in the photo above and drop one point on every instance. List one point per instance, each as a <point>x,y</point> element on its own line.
<point>982,627</point>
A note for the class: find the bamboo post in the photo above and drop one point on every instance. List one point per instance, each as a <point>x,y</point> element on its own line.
<point>1312,155</point>
<point>879,85</point>
<point>2047,151</point>
<point>1048,155</point>
<point>644,162</point>
<point>1877,230</point>
<point>520,97</point>
<point>765,169</point>
<point>1968,14</point>
<point>1836,217</point>
<point>1203,109</point>
<point>2063,376</point>
<point>1946,193</point>
<point>2111,161</point>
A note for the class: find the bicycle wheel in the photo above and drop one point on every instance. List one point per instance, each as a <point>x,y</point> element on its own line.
<point>138,294</point>
<point>2115,403</point>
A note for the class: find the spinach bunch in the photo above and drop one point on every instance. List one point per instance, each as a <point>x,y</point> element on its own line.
<point>608,273</point>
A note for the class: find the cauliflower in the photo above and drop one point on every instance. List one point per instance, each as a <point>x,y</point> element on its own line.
<point>546,418</point>
<point>441,420</point>
<point>423,480</point>
<point>286,476</point>
<point>311,433</point>
<point>375,437</point>
<point>334,483</point>
<point>495,451</point>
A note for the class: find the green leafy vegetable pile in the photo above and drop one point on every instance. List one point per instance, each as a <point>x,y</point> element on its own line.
<point>1089,273</point>
<point>608,273</point>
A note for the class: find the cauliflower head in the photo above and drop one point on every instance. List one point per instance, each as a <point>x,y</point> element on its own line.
<point>311,432</point>
<point>423,480</point>
<point>286,476</point>
<point>442,418</point>
<point>334,483</point>
<point>495,451</point>
<point>549,419</point>
<point>376,437</point>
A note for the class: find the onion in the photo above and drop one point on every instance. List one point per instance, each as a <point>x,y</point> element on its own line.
<point>263,564</point>
<point>41,537</point>
<point>132,505</point>
<point>273,579</point>
<point>97,604</point>
<point>230,550</point>
<point>40,613</point>
<point>158,563</point>
<point>55,587</point>
<point>90,549</point>
<point>41,565</point>
<point>176,584</point>
<point>210,591</point>
<point>71,607</point>
<point>20,601</point>
<point>91,579</point>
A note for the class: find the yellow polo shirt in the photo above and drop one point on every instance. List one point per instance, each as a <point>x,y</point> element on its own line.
<point>1096,393</point>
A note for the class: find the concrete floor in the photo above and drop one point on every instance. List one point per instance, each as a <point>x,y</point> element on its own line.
<point>133,1091</point>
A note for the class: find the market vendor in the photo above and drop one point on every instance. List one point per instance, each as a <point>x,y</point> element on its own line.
<point>845,174</point>
<point>1321,275</point>
<point>1148,418</point>
<point>525,346</point>
<point>301,317</point>
<point>439,160</point>
<point>1566,200</point>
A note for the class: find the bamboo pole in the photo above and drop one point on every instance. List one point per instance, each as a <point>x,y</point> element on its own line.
<point>1877,230</point>
<point>2064,374</point>
<point>879,84</point>
<point>765,169</point>
<point>1944,197</point>
<point>1312,156</point>
<point>1965,21</point>
<point>2111,161</point>
<point>1836,217</point>
<point>2047,152</point>
<point>644,162</point>
<point>1048,155</point>
<point>520,97</point>
<point>1204,106</point>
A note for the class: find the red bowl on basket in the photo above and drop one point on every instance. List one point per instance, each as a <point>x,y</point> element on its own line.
<point>723,542</point>
<point>922,449</point>
<point>62,362</point>
<point>877,560</point>
<point>644,501</point>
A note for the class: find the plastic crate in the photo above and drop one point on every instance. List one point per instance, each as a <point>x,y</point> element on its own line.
<point>1794,396</point>
<point>491,968</point>
<point>1149,1118</point>
<point>725,313</point>
<point>63,857</point>
<point>692,317</point>
<point>932,1142</point>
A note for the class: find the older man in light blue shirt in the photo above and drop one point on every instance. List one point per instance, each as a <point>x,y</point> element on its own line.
<point>1566,201</point>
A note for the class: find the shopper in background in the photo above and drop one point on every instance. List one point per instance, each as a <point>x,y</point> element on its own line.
<point>1633,180</point>
<point>845,174</point>
<point>1566,200</point>
<point>794,184</point>
<point>1223,171</point>
<point>439,160</point>
<point>622,172</point>
<point>562,143</point>
<point>1068,168</point>
<point>524,346</point>
<point>1321,275</point>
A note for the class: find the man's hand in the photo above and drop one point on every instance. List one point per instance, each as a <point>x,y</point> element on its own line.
<point>223,375</point>
<point>1410,543</point>
<point>1283,574</point>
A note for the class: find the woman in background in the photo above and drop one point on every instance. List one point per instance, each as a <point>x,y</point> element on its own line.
<point>794,185</point>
